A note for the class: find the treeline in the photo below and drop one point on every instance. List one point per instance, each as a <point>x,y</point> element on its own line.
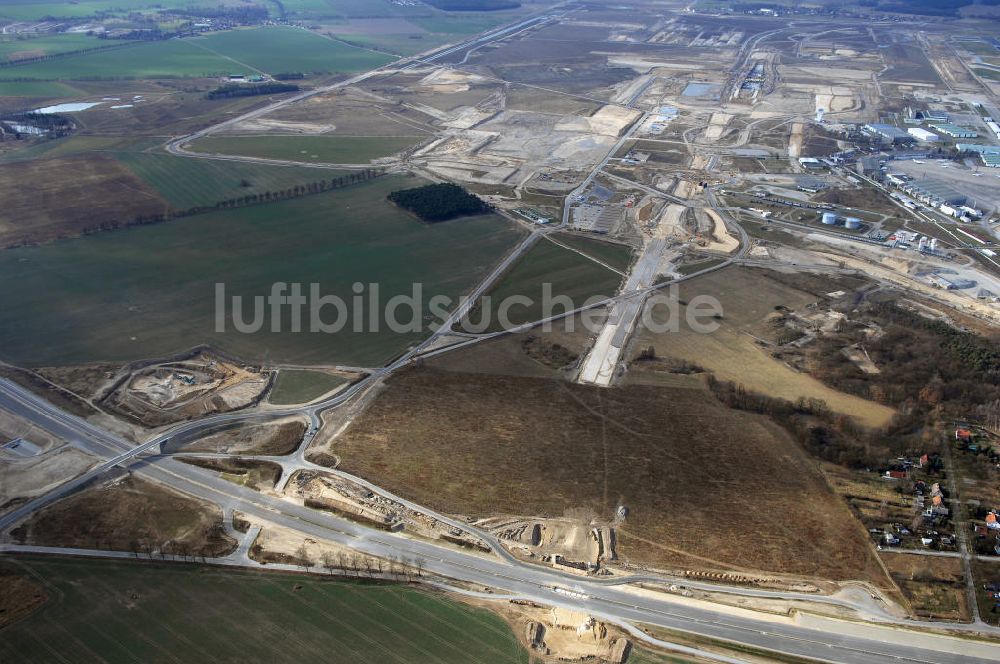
<point>57,56</point>
<point>439,202</point>
<point>824,434</point>
<point>253,90</point>
<point>259,198</point>
<point>289,76</point>
<point>473,5</point>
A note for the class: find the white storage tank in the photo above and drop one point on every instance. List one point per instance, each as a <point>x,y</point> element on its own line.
<point>829,218</point>
<point>853,223</point>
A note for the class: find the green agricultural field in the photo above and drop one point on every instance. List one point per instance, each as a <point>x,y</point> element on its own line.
<point>271,50</point>
<point>124,611</point>
<point>15,49</point>
<point>618,256</point>
<point>188,183</point>
<point>315,149</point>
<point>37,89</point>
<point>162,59</point>
<point>150,291</point>
<point>283,49</point>
<point>568,272</point>
<point>294,386</point>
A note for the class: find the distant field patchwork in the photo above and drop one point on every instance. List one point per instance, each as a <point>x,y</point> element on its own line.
<point>271,50</point>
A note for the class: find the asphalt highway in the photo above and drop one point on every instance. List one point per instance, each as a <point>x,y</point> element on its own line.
<point>541,584</point>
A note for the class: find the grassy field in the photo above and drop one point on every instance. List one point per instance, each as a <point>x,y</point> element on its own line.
<point>618,256</point>
<point>294,386</point>
<point>568,273</point>
<point>150,291</point>
<point>12,50</point>
<point>138,612</point>
<point>271,50</point>
<point>284,49</point>
<point>162,59</point>
<point>705,486</point>
<point>934,587</point>
<point>319,149</point>
<point>747,297</point>
<point>188,182</point>
<point>36,89</point>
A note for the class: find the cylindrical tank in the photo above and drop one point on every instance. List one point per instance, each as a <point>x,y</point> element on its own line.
<point>829,218</point>
<point>852,223</point>
<point>932,245</point>
<point>922,244</point>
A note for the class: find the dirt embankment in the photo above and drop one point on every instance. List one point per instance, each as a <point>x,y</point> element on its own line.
<point>130,514</point>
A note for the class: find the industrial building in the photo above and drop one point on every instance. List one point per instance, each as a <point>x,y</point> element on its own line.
<point>923,135</point>
<point>932,193</point>
<point>916,116</point>
<point>954,130</point>
<point>977,147</point>
<point>989,154</point>
<point>887,132</point>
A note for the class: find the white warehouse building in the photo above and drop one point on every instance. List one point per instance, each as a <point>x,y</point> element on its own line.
<point>923,135</point>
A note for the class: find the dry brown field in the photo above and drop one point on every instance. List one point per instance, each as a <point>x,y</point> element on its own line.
<point>735,352</point>
<point>705,486</point>
<point>131,515</point>
<point>52,198</point>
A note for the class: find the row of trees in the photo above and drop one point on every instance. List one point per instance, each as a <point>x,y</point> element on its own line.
<point>258,198</point>
<point>56,56</point>
<point>236,90</point>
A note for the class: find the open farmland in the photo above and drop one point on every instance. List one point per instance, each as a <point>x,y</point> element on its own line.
<point>164,276</point>
<point>36,89</point>
<point>748,297</point>
<point>147,613</point>
<point>699,480</point>
<point>318,149</point>
<point>50,198</point>
<point>618,256</point>
<point>268,50</point>
<point>187,183</point>
<point>566,272</point>
<point>15,49</point>
<point>160,59</point>
<point>293,386</point>
<point>285,49</point>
